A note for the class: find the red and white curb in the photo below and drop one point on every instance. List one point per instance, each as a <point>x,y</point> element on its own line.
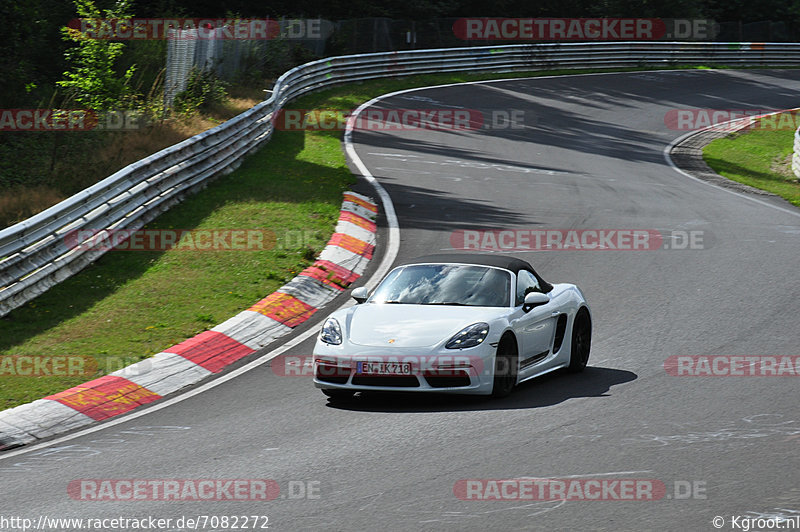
<point>343,260</point>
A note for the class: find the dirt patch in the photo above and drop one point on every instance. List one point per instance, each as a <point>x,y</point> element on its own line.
<point>783,167</point>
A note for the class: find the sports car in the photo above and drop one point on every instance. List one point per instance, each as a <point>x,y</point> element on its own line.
<point>458,323</point>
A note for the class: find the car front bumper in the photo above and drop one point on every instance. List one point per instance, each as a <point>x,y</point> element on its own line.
<point>461,371</point>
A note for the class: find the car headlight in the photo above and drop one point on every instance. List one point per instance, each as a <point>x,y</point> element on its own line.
<point>469,336</point>
<point>331,332</point>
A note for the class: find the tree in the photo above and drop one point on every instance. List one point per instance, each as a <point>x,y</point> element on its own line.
<point>92,79</point>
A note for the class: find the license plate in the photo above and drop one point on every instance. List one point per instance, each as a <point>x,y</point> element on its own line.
<point>384,368</point>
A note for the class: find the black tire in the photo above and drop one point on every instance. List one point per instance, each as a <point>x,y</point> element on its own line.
<point>581,341</point>
<point>506,366</point>
<point>338,395</point>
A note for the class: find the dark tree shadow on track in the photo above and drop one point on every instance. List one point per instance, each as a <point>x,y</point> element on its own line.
<point>425,208</point>
<point>433,143</point>
<point>582,113</point>
<point>544,391</point>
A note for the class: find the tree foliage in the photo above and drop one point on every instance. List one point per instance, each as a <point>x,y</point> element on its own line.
<point>92,79</point>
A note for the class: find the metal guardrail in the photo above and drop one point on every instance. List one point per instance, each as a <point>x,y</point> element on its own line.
<point>35,253</point>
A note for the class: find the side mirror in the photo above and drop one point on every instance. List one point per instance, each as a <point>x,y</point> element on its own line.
<point>360,294</point>
<point>533,300</point>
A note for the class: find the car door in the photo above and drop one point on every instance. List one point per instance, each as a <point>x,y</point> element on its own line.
<point>535,329</point>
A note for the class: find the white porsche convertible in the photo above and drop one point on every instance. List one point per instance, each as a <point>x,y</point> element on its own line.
<point>460,323</point>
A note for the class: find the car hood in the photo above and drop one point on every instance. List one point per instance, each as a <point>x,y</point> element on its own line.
<point>394,325</point>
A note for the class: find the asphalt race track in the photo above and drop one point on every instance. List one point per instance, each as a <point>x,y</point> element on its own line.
<point>589,157</point>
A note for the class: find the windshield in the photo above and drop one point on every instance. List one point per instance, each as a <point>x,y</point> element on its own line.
<point>445,284</point>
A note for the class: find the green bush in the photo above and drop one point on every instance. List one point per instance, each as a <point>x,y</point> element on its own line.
<point>203,89</point>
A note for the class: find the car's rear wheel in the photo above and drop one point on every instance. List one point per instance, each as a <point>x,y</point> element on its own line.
<point>581,341</point>
<point>505,367</point>
<point>338,395</point>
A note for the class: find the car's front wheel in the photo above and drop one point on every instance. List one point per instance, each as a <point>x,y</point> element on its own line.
<point>581,341</point>
<point>505,368</point>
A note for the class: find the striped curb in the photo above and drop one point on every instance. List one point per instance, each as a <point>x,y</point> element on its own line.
<point>343,260</point>
<point>686,153</point>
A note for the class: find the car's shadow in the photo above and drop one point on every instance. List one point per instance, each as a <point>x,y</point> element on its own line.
<point>547,390</point>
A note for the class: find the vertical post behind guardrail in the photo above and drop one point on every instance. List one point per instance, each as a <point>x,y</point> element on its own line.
<point>796,154</point>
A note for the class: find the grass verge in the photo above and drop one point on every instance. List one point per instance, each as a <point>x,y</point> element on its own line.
<point>130,305</point>
<point>760,157</point>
